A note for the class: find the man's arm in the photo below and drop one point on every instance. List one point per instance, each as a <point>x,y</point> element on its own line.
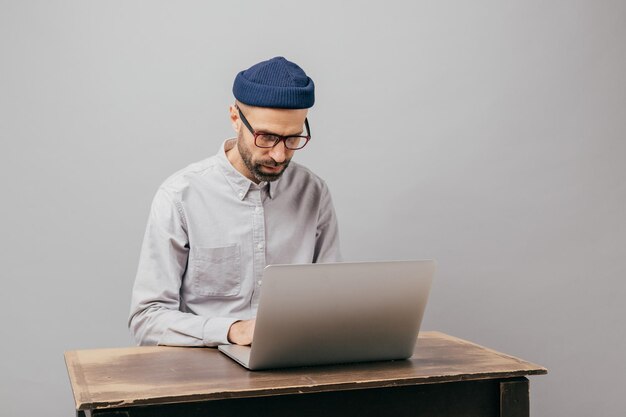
<point>327,247</point>
<point>155,317</point>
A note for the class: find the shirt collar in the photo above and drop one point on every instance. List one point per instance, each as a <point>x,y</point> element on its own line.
<point>240,184</point>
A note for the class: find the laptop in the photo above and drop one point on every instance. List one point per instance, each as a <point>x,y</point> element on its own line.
<point>316,314</point>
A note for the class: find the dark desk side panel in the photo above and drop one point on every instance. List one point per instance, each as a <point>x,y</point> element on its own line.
<point>465,399</point>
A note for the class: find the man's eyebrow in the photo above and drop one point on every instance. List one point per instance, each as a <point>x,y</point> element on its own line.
<point>265,132</point>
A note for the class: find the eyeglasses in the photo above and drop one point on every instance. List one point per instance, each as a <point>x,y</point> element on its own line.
<point>269,140</point>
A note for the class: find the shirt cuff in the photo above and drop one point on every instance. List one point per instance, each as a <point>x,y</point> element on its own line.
<point>216,331</point>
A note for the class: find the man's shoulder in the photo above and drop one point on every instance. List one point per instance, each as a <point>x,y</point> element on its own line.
<point>300,176</point>
<point>189,176</point>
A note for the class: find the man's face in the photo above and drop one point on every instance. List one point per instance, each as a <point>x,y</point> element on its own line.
<point>266,164</point>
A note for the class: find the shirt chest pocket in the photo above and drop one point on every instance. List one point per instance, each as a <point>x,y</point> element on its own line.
<point>216,271</point>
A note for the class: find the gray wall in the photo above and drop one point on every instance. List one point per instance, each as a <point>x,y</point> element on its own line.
<point>488,135</point>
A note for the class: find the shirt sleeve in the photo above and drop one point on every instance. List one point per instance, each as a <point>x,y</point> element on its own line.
<point>327,248</point>
<point>155,318</point>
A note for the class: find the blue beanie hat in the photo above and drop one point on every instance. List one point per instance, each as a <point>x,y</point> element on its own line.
<point>276,83</point>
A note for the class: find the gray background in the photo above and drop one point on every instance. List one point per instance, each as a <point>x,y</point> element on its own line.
<point>489,135</point>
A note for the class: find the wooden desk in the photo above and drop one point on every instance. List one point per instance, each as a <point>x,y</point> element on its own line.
<point>446,376</point>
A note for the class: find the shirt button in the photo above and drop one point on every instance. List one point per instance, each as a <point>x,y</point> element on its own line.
<point>257,209</point>
<point>260,245</point>
<point>259,282</point>
<point>240,194</point>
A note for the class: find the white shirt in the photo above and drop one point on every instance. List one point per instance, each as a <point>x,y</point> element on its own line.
<point>210,233</point>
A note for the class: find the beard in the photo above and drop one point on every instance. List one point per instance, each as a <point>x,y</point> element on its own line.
<point>255,167</point>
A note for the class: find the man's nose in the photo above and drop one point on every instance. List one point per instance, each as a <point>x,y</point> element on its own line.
<point>277,153</point>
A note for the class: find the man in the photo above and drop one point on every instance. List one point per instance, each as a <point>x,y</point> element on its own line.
<point>216,224</point>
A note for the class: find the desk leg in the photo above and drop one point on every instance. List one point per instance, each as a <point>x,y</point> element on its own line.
<point>514,398</point>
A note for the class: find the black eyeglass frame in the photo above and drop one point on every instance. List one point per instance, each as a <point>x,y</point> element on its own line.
<point>279,138</point>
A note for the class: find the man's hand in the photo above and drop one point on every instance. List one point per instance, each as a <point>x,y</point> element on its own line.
<point>240,332</point>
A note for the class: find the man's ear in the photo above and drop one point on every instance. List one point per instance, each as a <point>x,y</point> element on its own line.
<point>234,118</point>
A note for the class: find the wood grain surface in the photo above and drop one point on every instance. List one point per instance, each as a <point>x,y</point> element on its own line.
<point>109,378</point>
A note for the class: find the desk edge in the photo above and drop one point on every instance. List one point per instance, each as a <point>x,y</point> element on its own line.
<point>304,389</point>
